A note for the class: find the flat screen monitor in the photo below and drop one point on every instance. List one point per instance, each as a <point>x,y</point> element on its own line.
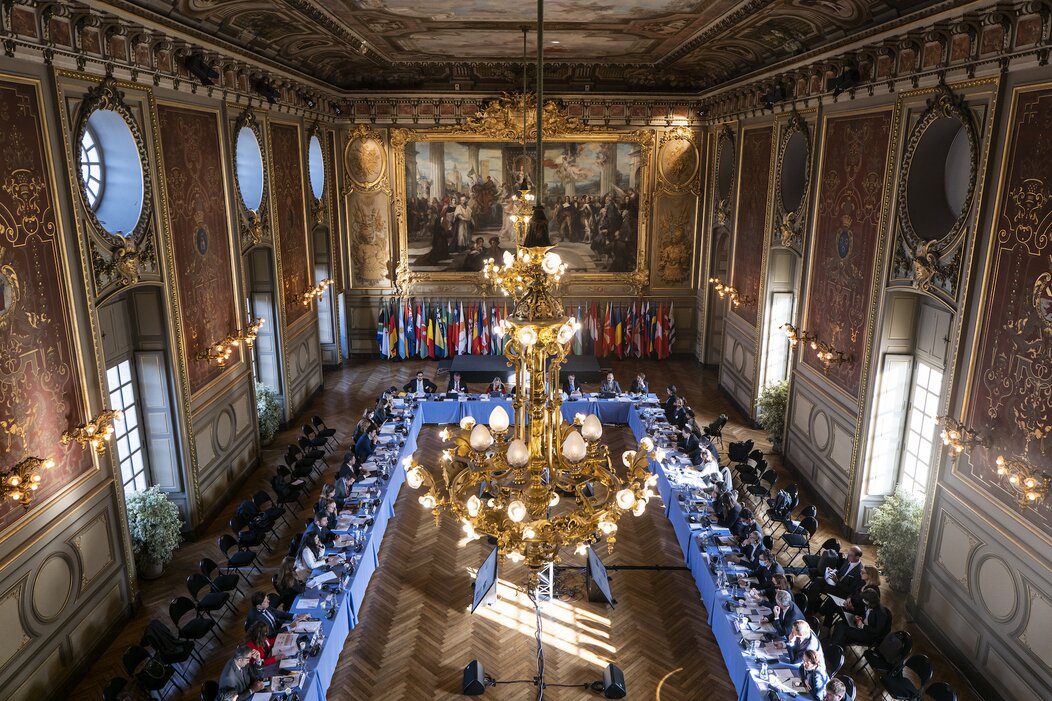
<point>486,583</point>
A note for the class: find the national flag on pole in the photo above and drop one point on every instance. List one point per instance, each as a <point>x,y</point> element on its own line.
<point>381,330</point>
<point>671,328</point>
<point>659,332</point>
<point>484,328</point>
<point>618,333</point>
<point>462,330</point>
<point>630,328</point>
<point>609,333</point>
<point>578,343</point>
<point>440,331</point>
<point>403,339</point>
<point>430,336</point>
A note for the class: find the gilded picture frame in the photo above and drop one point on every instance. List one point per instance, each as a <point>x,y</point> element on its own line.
<point>502,123</point>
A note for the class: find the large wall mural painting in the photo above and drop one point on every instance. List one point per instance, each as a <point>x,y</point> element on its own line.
<point>751,228</point>
<point>847,232</point>
<point>199,231</point>
<point>1010,391</point>
<point>40,394</point>
<point>290,217</point>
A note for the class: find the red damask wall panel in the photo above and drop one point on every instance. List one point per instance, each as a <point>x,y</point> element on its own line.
<point>1010,393</point>
<point>750,230</point>
<point>40,393</point>
<point>291,219</point>
<point>193,177</point>
<point>847,231</point>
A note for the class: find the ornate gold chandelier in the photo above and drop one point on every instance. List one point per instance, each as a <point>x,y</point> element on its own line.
<point>542,484</point>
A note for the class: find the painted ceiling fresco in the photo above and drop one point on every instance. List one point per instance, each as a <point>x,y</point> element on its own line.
<point>604,44</point>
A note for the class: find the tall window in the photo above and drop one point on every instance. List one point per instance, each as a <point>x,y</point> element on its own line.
<point>91,167</point>
<point>921,429</point>
<point>777,358</point>
<point>128,432</point>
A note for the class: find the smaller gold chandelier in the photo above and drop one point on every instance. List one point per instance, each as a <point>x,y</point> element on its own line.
<point>828,355</point>
<point>96,432</point>
<point>220,351</point>
<point>958,437</point>
<point>316,291</point>
<point>796,336</point>
<point>23,479</point>
<point>730,293</point>
<point>1031,485</point>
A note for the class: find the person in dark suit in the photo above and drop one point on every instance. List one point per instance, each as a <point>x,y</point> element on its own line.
<point>688,443</point>
<point>456,384</point>
<point>744,525</point>
<point>751,548</point>
<point>813,674</point>
<point>765,569</point>
<point>842,582</point>
<point>610,385</point>
<point>640,384</point>
<point>365,445</point>
<point>322,527</point>
<point>867,627</point>
<point>571,385</point>
<point>670,402</point>
<point>273,617</point>
<point>421,385</point>
<point>784,613</point>
<point>801,638</point>
<point>238,676</point>
<point>852,604</point>
<point>727,509</point>
<point>344,483</point>
<point>382,412</point>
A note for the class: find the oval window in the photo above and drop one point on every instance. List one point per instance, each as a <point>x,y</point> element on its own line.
<point>937,183</point>
<point>316,167</point>
<point>249,162</point>
<point>793,180</point>
<point>111,172</point>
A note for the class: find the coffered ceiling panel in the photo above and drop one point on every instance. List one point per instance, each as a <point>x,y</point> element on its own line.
<point>598,44</point>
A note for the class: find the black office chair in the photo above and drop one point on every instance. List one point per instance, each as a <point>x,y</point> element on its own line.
<point>801,600</point>
<point>212,601</point>
<point>271,508</point>
<point>240,561</point>
<point>738,452</point>
<point>811,561</point>
<point>114,688</point>
<point>850,688</point>
<point>898,684</point>
<point>715,429</point>
<point>168,648</point>
<point>228,583</point>
<point>197,628</point>
<point>323,430</point>
<point>798,540</point>
<point>210,690</point>
<point>314,440</point>
<point>889,655</point>
<point>247,536</point>
<point>941,691</point>
<point>834,655</point>
<point>151,674</point>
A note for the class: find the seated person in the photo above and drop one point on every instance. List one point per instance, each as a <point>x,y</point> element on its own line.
<point>842,582</point>
<point>813,675</point>
<point>610,385</point>
<point>571,386</point>
<point>320,525</point>
<point>688,442</point>
<point>237,676</point>
<point>456,384</point>
<point>328,507</point>
<point>288,583</point>
<point>327,493</point>
<point>766,568</point>
<point>366,444</point>
<point>867,627</point>
<point>745,523</point>
<point>420,385</point>
<point>834,691</point>
<point>311,555</point>
<point>852,604</point>
<point>382,412</point>
<point>256,639</point>
<point>751,548</point>
<point>497,387</point>
<point>727,509</point>
<point>640,384</point>
<point>678,416</point>
<point>670,402</point>
<point>801,638</point>
<point>784,613</point>
<point>344,483</point>
<point>707,465</point>
<point>272,618</point>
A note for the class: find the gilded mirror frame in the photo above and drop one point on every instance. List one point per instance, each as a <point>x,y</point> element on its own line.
<point>253,226</point>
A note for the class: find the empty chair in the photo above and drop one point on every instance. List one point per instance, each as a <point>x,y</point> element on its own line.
<point>257,520</point>
<point>240,560</point>
<point>889,655</point>
<point>114,688</point>
<point>212,601</point>
<point>309,451</point>
<point>830,544</point>
<point>196,628</point>
<point>247,536</point>
<point>166,647</point>
<point>761,491</point>
<point>151,674</point>
<point>287,487</point>
<point>941,691</point>
<point>738,452</point>
<point>300,467</point>
<point>908,683</point>
<point>313,439</point>
<point>210,690</point>
<point>798,540</point>
<point>834,655</point>
<point>715,429</point>
<point>323,430</point>
<point>228,583</point>
<point>268,506</point>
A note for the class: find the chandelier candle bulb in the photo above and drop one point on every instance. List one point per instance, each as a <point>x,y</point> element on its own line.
<point>467,423</point>
<point>592,428</point>
<point>415,477</point>
<point>518,454</point>
<point>574,448</point>
<point>473,505</point>
<point>554,501</point>
<point>481,439</point>
<point>517,511</point>
<point>499,420</point>
<point>626,499</point>
<point>528,533</point>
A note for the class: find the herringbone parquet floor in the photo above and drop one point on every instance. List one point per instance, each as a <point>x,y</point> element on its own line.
<point>416,634</point>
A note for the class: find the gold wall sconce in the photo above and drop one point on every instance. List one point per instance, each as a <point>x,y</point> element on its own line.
<point>19,482</point>
<point>96,432</point>
<point>829,356</point>
<point>220,351</point>
<point>1030,484</point>
<point>316,291</point>
<point>796,336</point>
<point>730,293</point>
<point>956,436</point>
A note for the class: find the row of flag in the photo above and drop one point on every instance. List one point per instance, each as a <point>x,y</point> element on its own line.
<point>409,328</point>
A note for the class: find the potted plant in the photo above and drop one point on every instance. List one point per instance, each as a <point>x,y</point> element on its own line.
<point>155,529</point>
<point>895,528</point>
<point>268,411</point>
<point>770,411</point>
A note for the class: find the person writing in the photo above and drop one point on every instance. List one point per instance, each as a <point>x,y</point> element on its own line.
<point>237,676</point>
<point>272,618</point>
<point>456,384</point>
<point>571,386</point>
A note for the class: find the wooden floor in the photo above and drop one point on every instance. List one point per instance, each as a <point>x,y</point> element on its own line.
<point>415,636</point>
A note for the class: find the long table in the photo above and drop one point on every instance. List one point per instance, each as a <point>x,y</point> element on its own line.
<point>645,418</point>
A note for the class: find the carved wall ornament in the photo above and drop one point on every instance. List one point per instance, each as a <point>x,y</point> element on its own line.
<point>365,161</point>
<point>790,217</point>
<point>930,259</point>
<point>119,258</point>
<point>673,263</point>
<point>678,162</point>
<point>255,223</point>
<point>369,242</point>
<point>724,175</point>
<point>502,119</point>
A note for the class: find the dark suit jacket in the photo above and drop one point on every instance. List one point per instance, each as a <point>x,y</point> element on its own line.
<point>410,386</point>
<point>764,574</point>
<point>363,449</point>
<point>784,622</point>
<point>273,621</point>
<point>325,534</point>
<point>463,386</point>
<point>849,583</point>
<point>796,650</point>
<point>640,387</point>
<point>570,390</point>
<point>343,492</point>
<point>611,386</point>
<point>689,445</point>
<point>240,680</point>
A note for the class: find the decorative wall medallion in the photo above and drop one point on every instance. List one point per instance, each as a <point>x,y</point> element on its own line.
<point>673,264</point>
<point>365,160</point>
<point>934,194</point>
<point>678,162</point>
<point>201,240</point>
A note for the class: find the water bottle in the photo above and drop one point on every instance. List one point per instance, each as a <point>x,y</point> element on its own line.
<point>763,670</point>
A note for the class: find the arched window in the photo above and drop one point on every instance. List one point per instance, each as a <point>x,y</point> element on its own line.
<point>91,168</point>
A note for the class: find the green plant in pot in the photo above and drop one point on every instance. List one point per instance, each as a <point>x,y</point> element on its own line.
<point>155,529</point>
<point>770,411</point>
<point>269,412</point>
<point>895,528</point>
